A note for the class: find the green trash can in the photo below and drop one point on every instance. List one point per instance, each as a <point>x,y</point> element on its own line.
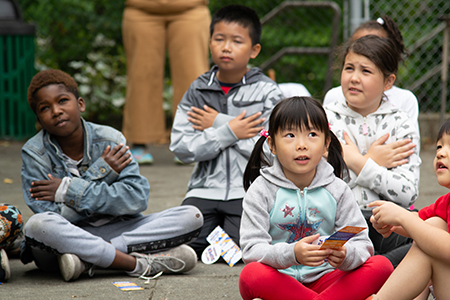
<point>17,121</point>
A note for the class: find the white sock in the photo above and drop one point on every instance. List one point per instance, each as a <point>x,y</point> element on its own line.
<point>141,265</point>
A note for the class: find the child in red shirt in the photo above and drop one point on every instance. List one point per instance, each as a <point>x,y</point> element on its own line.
<point>428,260</point>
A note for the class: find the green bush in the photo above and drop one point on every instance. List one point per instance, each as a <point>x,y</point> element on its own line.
<point>84,38</point>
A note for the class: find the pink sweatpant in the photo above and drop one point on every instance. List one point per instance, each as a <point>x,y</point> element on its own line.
<point>258,280</point>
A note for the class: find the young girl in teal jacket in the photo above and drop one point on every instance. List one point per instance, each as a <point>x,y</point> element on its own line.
<point>293,202</point>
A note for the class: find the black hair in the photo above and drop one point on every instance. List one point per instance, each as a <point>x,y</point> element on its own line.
<point>296,112</point>
<point>445,129</point>
<point>380,51</point>
<point>242,15</point>
<point>391,29</point>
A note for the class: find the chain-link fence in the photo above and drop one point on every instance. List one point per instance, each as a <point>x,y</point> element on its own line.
<point>296,41</point>
<point>423,33</point>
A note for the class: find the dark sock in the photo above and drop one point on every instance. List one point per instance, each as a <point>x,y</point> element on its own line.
<point>139,146</point>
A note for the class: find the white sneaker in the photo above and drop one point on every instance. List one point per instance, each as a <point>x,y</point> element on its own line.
<point>5,271</point>
<point>71,266</point>
<point>176,260</point>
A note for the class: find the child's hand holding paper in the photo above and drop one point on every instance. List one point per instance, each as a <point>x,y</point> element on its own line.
<point>339,238</point>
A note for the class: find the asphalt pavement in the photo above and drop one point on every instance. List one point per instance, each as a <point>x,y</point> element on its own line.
<point>168,183</point>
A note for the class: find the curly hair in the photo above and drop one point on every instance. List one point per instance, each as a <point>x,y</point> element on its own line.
<point>48,77</point>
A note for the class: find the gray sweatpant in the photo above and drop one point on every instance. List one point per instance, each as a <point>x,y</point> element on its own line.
<point>49,234</point>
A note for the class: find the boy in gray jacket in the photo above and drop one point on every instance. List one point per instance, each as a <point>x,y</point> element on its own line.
<point>218,119</point>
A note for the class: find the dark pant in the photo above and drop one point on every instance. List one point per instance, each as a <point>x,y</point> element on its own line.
<point>227,214</point>
<point>393,247</point>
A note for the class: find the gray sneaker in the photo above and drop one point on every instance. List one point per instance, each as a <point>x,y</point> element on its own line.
<point>176,260</point>
<point>71,266</point>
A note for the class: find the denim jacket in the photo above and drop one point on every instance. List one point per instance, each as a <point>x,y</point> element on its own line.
<point>99,191</point>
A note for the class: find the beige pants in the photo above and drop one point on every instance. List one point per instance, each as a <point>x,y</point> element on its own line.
<point>146,37</point>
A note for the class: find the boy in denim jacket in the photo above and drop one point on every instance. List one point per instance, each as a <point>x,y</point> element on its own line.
<point>87,195</point>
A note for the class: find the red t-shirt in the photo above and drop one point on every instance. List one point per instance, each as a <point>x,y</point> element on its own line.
<point>440,208</point>
<point>226,86</point>
<point>225,89</point>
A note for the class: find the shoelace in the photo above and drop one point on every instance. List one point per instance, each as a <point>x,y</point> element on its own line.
<point>147,279</point>
<point>160,260</point>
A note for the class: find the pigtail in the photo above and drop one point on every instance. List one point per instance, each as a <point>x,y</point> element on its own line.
<point>256,161</point>
<point>305,113</point>
<point>395,35</point>
<point>336,159</point>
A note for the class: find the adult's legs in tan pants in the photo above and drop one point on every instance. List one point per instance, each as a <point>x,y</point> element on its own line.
<point>145,37</point>
<point>188,50</point>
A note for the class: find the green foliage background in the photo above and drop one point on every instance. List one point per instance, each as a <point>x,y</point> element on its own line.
<point>69,28</point>
<point>70,35</point>
<point>69,31</point>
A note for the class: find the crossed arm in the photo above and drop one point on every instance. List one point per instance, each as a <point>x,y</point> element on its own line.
<point>386,155</point>
<point>241,126</point>
<point>117,158</point>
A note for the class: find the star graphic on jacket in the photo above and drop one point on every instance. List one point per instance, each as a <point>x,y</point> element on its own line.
<point>300,228</point>
<point>287,210</point>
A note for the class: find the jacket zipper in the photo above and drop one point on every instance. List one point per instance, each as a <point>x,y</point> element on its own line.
<point>302,209</point>
<point>227,154</point>
<point>227,162</point>
<point>365,132</point>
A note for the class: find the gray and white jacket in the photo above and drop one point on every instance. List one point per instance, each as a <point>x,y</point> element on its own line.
<point>400,184</point>
<point>220,156</point>
<point>277,214</point>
